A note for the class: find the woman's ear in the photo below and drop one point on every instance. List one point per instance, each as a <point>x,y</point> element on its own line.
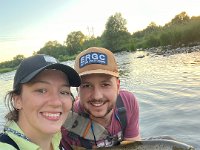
<point>17,102</point>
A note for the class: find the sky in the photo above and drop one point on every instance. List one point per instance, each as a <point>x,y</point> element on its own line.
<point>26,25</point>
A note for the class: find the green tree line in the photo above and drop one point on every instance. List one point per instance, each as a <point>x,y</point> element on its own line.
<point>181,30</point>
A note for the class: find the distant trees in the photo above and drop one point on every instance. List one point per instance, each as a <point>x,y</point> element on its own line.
<point>147,37</point>
<point>11,65</point>
<point>74,42</point>
<point>116,36</point>
<point>53,48</point>
<point>179,19</point>
<point>17,60</point>
<point>92,42</point>
<point>181,30</point>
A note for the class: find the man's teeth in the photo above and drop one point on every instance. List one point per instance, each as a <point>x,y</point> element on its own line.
<point>97,104</point>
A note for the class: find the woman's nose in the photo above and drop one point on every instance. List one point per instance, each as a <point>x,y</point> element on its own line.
<point>55,99</point>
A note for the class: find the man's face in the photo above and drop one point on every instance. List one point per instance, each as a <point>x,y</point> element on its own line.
<point>98,94</point>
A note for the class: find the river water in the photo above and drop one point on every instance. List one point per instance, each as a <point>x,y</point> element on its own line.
<point>167,88</point>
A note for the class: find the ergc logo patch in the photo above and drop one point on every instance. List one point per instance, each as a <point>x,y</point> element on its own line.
<point>93,58</point>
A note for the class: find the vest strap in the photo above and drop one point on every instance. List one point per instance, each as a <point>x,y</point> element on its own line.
<point>6,139</point>
<point>121,110</point>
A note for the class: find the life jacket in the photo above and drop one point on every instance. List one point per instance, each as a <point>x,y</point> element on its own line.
<point>80,126</point>
<point>6,139</point>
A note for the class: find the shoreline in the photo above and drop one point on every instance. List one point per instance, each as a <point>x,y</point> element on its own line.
<point>162,50</point>
<point>169,50</point>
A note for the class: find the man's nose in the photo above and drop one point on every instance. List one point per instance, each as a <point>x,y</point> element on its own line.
<point>97,93</point>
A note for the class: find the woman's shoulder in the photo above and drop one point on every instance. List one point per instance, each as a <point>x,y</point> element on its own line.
<point>5,146</point>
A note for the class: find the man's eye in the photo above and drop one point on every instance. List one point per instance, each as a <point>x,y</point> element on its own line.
<point>105,84</point>
<point>86,86</point>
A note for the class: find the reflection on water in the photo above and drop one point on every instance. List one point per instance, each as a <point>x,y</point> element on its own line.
<point>6,81</point>
<point>167,88</point>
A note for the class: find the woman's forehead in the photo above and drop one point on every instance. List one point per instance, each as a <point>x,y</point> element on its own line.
<point>56,75</point>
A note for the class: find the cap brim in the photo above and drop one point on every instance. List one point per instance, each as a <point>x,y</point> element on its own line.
<point>73,77</point>
<point>100,71</point>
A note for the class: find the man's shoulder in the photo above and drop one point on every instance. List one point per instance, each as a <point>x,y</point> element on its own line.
<point>123,91</point>
<point>128,99</point>
<point>126,95</point>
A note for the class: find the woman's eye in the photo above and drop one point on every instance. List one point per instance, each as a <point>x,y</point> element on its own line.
<point>41,90</point>
<point>65,92</point>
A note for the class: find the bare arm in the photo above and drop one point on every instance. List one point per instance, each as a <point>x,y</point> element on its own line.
<point>131,140</point>
<point>137,138</point>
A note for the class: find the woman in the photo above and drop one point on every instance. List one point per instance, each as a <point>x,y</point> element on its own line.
<point>39,104</point>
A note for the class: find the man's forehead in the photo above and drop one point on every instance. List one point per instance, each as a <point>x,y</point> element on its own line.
<point>93,77</point>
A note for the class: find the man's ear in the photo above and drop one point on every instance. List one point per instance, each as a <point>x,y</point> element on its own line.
<point>118,84</point>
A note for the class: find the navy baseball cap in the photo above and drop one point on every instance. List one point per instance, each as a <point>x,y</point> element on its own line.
<point>32,66</point>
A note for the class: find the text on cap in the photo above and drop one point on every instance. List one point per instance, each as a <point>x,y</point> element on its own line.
<point>93,58</point>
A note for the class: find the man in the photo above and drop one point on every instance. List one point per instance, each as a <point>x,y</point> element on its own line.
<point>99,96</point>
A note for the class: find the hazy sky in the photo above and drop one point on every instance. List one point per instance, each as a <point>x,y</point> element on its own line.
<point>26,25</point>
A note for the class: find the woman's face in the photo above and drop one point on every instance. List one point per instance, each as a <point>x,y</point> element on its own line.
<point>44,103</point>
